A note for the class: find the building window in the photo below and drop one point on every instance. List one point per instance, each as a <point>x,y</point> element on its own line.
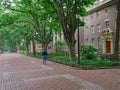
<point>92,41</point>
<point>98,27</point>
<point>107,23</point>
<point>98,14</point>
<point>91,16</point>
<point>86,28</point>
<point>86,31</point>
<point>86,41</point>
<point>92,28</point>
<point>100,44</point>
<point>106,11</point>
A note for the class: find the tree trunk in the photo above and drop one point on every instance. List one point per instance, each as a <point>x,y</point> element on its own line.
<point>16,49</point>
<point>44,46</point>
<point>70,40</point>
<point>72,52</point>
<point>27,48</point>
<point>117,41</point>
<point>34,51</point>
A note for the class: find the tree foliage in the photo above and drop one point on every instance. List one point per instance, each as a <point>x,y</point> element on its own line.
<point>66,11</point>
<point>44,16</point>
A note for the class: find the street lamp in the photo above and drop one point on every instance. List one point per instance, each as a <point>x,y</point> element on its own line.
<point>78,17</point>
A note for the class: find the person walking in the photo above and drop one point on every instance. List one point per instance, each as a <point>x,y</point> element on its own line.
<point>44,55</point>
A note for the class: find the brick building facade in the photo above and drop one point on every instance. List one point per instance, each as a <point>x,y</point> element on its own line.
<point>100,26</point>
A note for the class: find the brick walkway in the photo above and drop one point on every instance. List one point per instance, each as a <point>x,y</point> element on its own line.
<point>19,72</point>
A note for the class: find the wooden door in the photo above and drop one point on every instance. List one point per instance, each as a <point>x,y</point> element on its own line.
<point>108,46</point>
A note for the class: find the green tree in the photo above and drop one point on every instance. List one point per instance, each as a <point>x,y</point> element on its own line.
<point>36,16</point>
<point>66,11</point>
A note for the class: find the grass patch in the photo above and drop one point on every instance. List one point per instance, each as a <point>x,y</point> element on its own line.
<point>99,63</point>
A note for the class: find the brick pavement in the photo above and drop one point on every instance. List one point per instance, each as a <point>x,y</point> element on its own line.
<point>19,72</point>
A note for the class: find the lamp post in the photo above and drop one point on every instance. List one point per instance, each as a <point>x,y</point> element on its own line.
<point>77,17</point>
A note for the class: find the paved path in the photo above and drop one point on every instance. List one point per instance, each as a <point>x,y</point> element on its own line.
<point>19,72</point>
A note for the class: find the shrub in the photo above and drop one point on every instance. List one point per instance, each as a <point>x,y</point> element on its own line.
<point>52,54</point>
<point>23,48</point>
<point>60,57</point>
<point>88,52</point>
<point>60,43</point>
<point>60,46</point>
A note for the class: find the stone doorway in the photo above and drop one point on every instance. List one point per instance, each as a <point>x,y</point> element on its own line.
<point>107,38</point>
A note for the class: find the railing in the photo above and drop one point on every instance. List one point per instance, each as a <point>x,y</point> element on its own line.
<point>98,4</point>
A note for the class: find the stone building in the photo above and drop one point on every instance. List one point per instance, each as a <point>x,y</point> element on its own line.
<point>100,26</point>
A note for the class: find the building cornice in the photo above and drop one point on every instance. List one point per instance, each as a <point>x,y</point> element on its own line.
<point>101,5</point>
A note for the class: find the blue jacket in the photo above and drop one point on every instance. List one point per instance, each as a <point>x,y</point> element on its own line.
<point>44,53</point>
